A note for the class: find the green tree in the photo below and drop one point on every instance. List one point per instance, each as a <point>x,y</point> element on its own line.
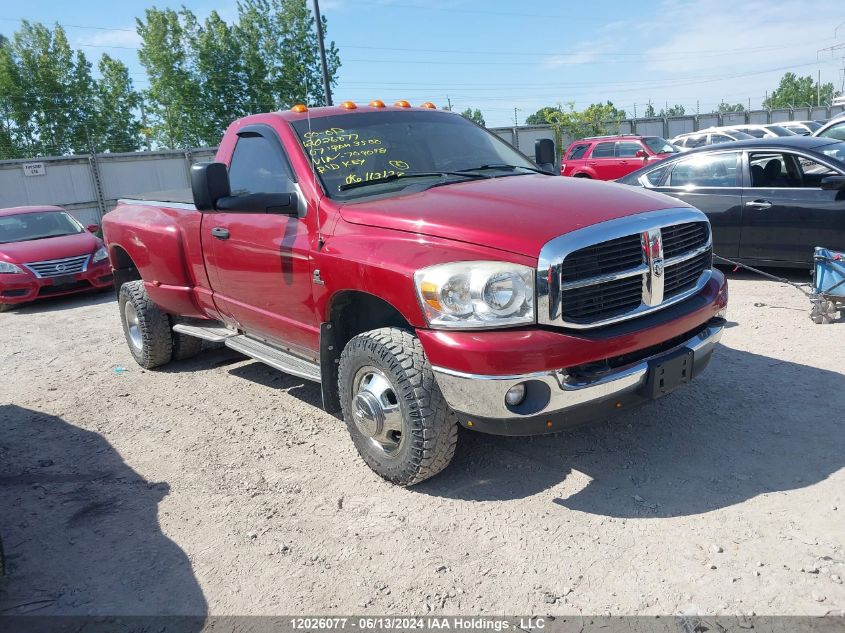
<point>219,65</point>
<point>541,116</point>
<point>675,110</point>
<point>117,101</point>
<point>474,116</point>
<point>649,110</point>
<point>727,108</point>
<point>281,62</point>
<point>46,93</point>
<point>174,96</point>
<point>798,92</point>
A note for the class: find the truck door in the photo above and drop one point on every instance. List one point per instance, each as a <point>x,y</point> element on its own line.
<point>259,263</point>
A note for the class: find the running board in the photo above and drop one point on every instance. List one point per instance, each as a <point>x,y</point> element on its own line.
<point>213,333</point>
<point>273,356</point>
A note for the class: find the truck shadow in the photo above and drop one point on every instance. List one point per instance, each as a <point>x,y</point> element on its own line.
<point>749,426</point>
<point>80,528</point>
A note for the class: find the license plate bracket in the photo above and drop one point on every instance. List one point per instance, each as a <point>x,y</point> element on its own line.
<point>64,280</point>
<point>667,373</point>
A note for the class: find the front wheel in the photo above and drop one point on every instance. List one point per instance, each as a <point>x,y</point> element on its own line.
<point>393,408</point>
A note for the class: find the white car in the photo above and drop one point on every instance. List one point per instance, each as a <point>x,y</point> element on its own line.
<point>835,128</point>
<point>768,130</point>
<point>710,136</point>
<point>804,128</point>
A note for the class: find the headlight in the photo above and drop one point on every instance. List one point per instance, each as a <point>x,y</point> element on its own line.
<point>6,267</point>
<point>100,255</point>
<point>476,294</point>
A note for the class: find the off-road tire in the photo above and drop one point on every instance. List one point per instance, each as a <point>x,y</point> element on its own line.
<point>185,346</point>
<point>156,347</point>
<point>431,426</point>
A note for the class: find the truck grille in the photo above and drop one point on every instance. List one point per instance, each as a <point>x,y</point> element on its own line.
<point>635,265</point>
<point>59,267</point>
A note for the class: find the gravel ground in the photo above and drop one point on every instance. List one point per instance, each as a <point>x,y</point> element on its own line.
<point>218,486</point>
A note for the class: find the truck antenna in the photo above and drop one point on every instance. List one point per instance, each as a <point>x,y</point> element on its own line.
<point>313,173</point>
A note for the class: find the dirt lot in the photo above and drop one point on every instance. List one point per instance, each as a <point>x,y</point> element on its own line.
<point>218,486</point>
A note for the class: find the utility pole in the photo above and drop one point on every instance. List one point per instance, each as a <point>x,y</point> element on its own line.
<point>326,84</point>
<point>515,119</point>
<point>449,102</point>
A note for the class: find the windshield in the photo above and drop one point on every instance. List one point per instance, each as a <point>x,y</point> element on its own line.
<point>23,227</point>
<point>379,146</point>
<point>780,131</point>
<point>660,145</point>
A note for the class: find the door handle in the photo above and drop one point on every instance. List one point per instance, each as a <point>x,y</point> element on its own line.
<point>758,204</point>
<point>220,233</point>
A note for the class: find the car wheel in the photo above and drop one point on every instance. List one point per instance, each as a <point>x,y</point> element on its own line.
<point>393,408</point>
<point>146,327</point>
<point>583,176</point>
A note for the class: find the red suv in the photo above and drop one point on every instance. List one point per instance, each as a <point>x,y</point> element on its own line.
<point>611,157</point>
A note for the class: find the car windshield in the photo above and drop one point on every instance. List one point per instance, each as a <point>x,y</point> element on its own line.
<point>836,131</point>
<point>23,227</point>
<point>396,150</point>
<point>660,145</point>
<point>779,130</point>
<point>813,125</point>
<point>739,136</point>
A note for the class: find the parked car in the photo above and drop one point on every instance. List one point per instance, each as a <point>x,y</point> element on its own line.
<point>805,128</point>
<point>611,157</point>
<point>770,201</point>
<point>761,131</point>
<point>710,136</point>
<point>835,128</point>
<point>45,252</point>
<point>425,273</point>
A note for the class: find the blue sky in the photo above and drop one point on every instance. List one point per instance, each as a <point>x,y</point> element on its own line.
<point>498,55</point>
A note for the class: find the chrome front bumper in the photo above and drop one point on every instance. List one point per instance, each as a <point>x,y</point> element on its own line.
<point>484,395</point>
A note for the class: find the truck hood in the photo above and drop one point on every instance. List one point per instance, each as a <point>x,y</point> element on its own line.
<point>518,214</point>
<point>50,248</point>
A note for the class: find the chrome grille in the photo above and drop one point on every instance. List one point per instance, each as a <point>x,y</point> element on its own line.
<point>623,268</point>
<point>59,267</point>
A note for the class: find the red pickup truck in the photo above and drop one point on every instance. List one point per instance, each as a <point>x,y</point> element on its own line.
<point>425,273</point>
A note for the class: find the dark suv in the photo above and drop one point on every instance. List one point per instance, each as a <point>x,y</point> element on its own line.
<point>611,157</point>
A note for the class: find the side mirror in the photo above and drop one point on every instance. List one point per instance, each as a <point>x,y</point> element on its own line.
<point>833,183</point>
<point>282,203</point>
<point>92,228</point>
<point>544,155</point>
<point>209,183</point>
<point>641,153</point>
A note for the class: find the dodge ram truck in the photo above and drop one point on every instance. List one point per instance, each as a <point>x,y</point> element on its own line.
<point>425,273</point>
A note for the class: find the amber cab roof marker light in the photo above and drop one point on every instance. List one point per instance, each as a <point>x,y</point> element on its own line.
<point>429,105</point>
<point>348,105</point>
<point>376,103</point>
<point>299,107</point>
<point>402,104</point>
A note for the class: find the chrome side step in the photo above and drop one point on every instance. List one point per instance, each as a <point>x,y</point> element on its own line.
<point>213,333</point>
<point>276,358</point>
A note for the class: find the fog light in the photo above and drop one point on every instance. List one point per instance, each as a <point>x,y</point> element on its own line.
<point>515,395</point>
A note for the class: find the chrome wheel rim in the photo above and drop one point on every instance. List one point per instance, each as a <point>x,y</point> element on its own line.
<point>132,326</point>
<point>376,411</point>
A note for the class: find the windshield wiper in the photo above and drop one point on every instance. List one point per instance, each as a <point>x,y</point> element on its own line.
<point>46,237</point>
<point>414,174</point>
<point>502,166</point>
